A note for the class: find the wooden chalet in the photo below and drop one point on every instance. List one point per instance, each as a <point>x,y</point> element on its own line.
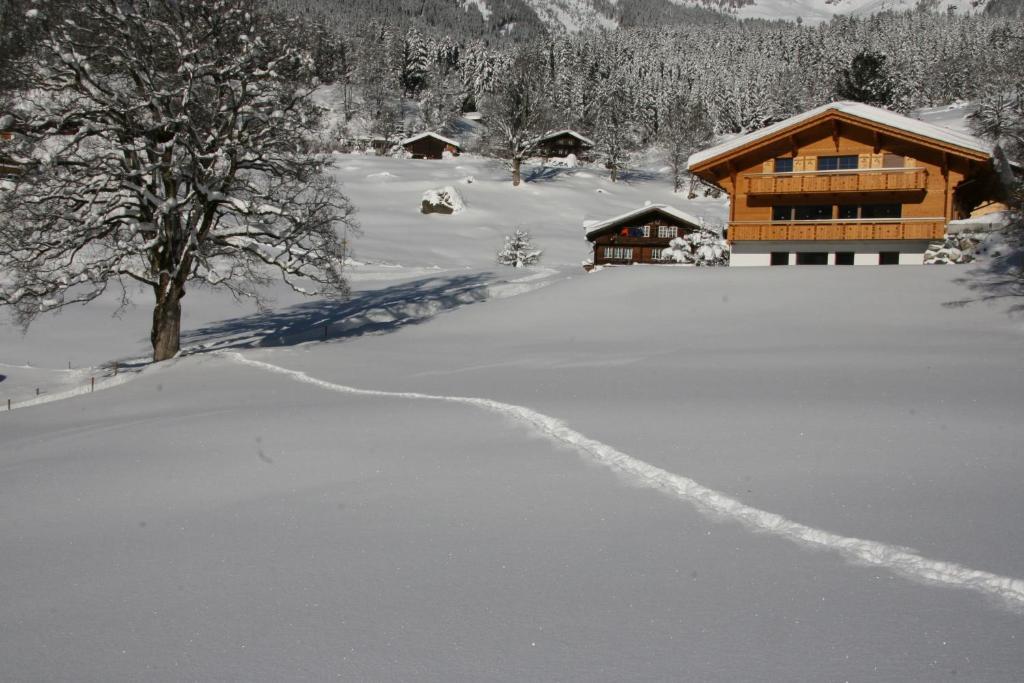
<point>639,236</point>
<point>430,146</point>
<point>562,143</point>
<point>846,184</point>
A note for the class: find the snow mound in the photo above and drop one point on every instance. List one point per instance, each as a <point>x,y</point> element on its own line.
<point>382,175</point>
<point>445,200</point>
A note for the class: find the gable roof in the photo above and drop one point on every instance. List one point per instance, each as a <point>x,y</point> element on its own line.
<point>857,111</point>
<point>428,134</point>
<point>595,228</point>
<point>566,131</point>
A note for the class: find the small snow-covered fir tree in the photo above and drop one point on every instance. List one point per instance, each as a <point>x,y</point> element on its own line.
<point>518,251</point>
<point>701,247</point>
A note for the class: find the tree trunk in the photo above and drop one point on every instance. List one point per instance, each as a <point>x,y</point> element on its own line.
<point>516,176</point>
<point>615,173</point>
<point>166,334</point>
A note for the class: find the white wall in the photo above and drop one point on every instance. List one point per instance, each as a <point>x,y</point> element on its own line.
<point>750,259</point>
<point>865,251</point>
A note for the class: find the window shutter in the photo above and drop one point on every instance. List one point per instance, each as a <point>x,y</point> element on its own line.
<point>768,166</point>
<point>864,161</point>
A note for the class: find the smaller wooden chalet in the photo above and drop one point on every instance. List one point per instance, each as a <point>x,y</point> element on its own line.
<point>430,146</point>
<point>639,236</point>
<point>7,133</point>
<point>562,143</point>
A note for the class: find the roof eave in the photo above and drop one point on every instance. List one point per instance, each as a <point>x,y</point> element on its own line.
<point>707,164</point>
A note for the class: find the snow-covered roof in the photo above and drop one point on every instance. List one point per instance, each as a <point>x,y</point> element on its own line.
<point>429,134</point>
<point>582,138</point>
<point>593,228</point>
<point>858,110</point>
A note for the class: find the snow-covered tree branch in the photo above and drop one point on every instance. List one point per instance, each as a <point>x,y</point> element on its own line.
<point>166,142</point>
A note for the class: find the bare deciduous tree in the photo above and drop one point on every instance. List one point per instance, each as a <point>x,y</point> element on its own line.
<point>166,143</point>
<point>517,110</point>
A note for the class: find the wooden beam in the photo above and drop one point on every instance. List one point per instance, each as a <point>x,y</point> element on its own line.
<point>835,133</point>
<point>877,137</point>
<point>947,204</point>
<point>735,193</point>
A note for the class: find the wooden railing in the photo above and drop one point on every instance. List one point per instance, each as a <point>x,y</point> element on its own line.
<point>862,229</point>
<point>853,180</point>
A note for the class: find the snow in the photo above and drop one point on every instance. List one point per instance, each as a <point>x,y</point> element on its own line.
<point>481,5</point>
<point>534,474</point>
<point>814,12</point>
<point>859,110</point>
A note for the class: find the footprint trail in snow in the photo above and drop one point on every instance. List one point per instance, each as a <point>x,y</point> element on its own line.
<point>1007,591</point>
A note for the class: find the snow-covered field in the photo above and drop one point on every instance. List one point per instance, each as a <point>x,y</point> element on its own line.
<point>646,473</point>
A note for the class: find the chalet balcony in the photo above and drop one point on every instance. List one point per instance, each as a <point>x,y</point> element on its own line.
<point>848,180</point>
<point>839,230</point>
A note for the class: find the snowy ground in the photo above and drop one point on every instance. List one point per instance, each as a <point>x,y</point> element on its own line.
<point>677,474</point>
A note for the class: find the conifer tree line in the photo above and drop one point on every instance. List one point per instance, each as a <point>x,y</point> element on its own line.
<point>737,76</point>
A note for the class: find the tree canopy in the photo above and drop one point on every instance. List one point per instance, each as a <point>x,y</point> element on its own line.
<point>165,143</point>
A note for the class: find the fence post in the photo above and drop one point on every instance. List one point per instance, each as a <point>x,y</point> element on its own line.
<point>92,384</point>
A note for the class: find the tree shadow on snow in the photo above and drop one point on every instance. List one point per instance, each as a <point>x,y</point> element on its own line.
<point>377,311</point>
<point>3,377</point>
<point>543,174</point>
<point>998,279</point>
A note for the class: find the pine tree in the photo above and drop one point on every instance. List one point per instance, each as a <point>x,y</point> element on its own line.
<point>866,80</point>
<point>518,251</point>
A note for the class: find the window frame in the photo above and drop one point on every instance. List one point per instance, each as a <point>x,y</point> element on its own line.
<point>840,160</point>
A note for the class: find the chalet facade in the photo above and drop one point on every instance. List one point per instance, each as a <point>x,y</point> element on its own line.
<point>430,146</point>
<point>639,236</point>
<point>562,143</point>
<point>846,184</point>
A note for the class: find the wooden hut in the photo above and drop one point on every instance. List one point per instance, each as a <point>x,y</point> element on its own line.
<point>639,236</point>
<point>562,143</point>
<point>847,184</point>
<point>430,146</point>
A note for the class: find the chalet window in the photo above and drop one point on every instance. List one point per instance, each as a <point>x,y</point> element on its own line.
<point>893,161</point>
<point>784,165</point>
<point>656,253</point>
<point>889,258</point>
<point>780,258</point>
<point>854,211</point>
<point>782,213</point>
<point>667,231</point>
<point>844,258</point>
<point>642,231</point>
<point>881,211</point>
<point>618,253</point>
<point>816,258</point>
<point>822,212</point>
<point>837,163</point>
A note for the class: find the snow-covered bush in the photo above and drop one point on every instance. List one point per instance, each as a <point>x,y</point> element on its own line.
<point>443,200</point>
<point>700,247</point>
<point>518,251</point>
<point>959,248</point>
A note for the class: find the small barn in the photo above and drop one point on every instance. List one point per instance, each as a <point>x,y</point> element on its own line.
<point>562,143</point>
<point>430,146</point>
<point>639,236</point>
